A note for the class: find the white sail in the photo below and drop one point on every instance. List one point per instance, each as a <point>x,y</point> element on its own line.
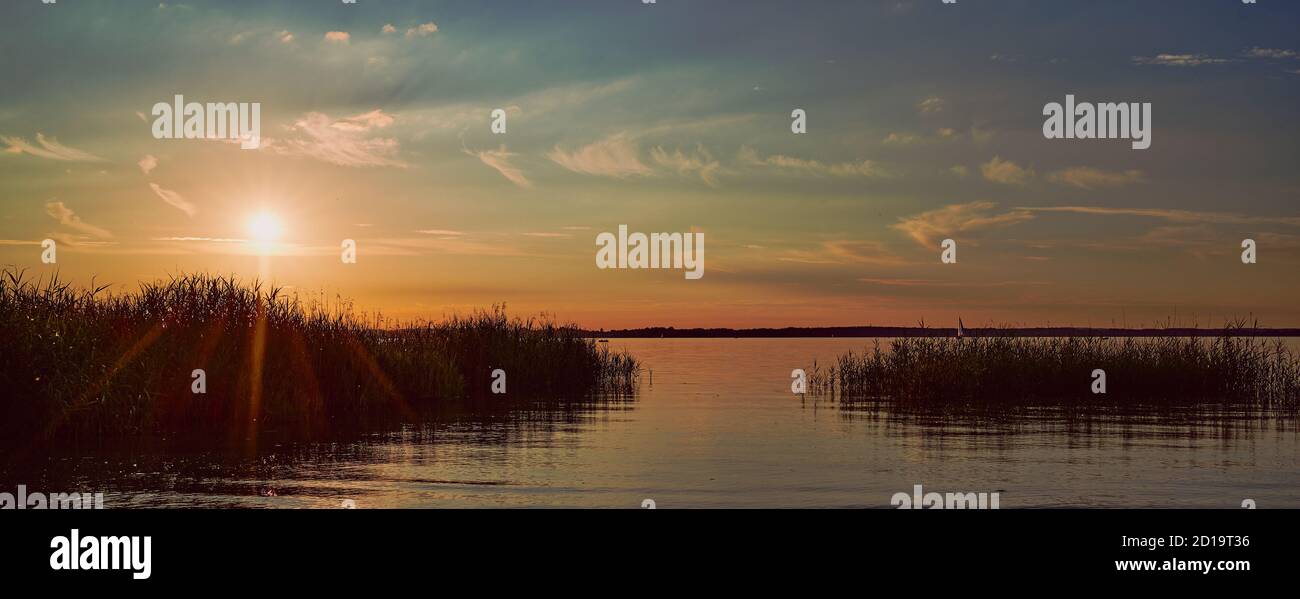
<point>961,329</point>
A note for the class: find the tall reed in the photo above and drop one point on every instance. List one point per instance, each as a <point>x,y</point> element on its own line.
<point>1018,370</point>
<point>86,362</point>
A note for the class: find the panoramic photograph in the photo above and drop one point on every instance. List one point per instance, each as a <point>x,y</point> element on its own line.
<point>452,254</point>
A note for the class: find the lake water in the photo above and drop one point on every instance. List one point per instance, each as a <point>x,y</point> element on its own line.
<point>715,425</point>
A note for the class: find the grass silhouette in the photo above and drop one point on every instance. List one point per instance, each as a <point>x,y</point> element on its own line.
<point>1010,370</point>
<point>83,362</point>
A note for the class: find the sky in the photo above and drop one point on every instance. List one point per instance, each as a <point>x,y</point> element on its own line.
<point>924,122</point>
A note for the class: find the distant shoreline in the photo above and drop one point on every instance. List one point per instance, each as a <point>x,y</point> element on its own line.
<point>874,331</point>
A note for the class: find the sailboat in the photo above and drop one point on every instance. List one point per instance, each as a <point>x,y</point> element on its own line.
<point>961,329</point>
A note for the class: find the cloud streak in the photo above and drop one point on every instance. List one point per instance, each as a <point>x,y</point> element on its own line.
<point>174,199</point>
<point>66,217</point>
<point>615,156</point>
<point>1172,215</point>
<point>698,163</point>
<point>927,227</point>
<point>344,142</point>
<point>1085,177</point>
<point>499,160</point>
<point>1179,60</point>
<point>843,251</point>
<point>866,168</point>
<point>47,147</point>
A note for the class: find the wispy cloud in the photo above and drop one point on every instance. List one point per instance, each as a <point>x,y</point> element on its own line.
<point>614,156</point>
<point>345,142</point>
<point>455,244</point>
<point>844,251</point>
<point>942,134</point>
<point>700,162</point>
<point>499,160</point>
<point>1273,53</point>
<point>69,219</point>
<point>1197,60</point>
<point>49,147</point>
<point>899,139</point>
<point>866,168</point>
<point>341,37</point>
<point>902,282</point>
<point>860,252</point>
<point>208,239</point>
<point>1181,236</point>
<point>1090,178</point>
<point>375,119</point>
<point>1005,172</point>
<point>542,103</point>
<point>148,163</point>
<point>930,105</point>
<point>422,30</point>
<point>1173,215</point>
<point>174,199</point>
<point>929,226</point>
<point>1179,60</point>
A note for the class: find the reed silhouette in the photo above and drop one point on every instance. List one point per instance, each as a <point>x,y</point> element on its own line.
<point>993,371</point>
<point>84,362</point>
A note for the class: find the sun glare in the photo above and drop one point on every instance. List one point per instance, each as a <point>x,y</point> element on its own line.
<point>264,227</point>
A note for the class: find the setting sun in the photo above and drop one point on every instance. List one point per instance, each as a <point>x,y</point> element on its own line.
<point>264,227</point>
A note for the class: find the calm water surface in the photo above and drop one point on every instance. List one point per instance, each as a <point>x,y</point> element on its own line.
<point>715,425</point>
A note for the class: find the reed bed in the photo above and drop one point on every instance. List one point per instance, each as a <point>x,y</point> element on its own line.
<point>83,362</point>
<point>994,371</point>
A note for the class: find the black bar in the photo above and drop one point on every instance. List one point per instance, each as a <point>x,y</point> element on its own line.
<point>537,550</point>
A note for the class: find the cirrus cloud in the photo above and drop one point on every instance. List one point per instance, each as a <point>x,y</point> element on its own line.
<point>928,226</point>
<point>1085,177</point>
<point>344,142</point>
<point>174,199</point>
<point>1179,60</point>
<point>69,219</point>
<point>615,156</point>
<point>865,168</point>
<point>930,105</point>
<point>700,163</point>
<point>49,147</point>
<point>499,160</point>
